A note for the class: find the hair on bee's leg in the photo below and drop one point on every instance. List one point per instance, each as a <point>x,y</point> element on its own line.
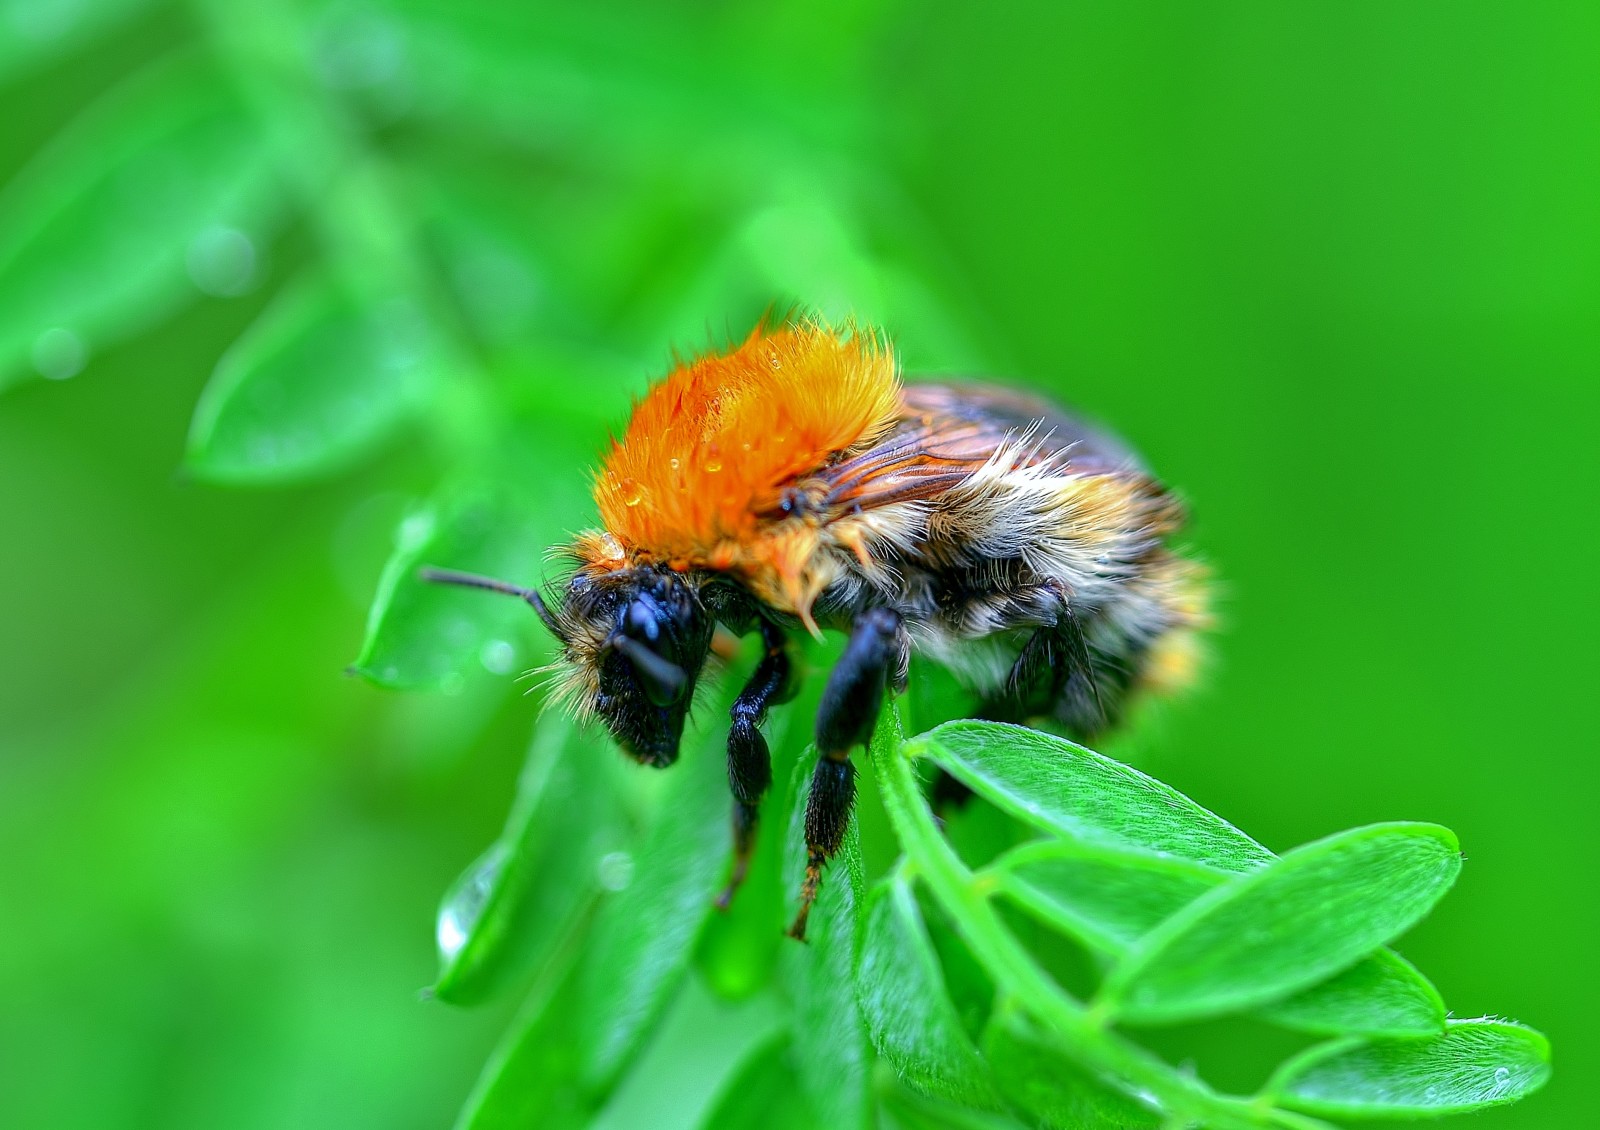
<point>749,761</point>
<point>850,706</point>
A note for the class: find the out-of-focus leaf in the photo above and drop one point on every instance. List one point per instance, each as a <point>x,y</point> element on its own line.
<point>1109,898</point>
<point>96,235</point>
<point>432,635</point>
<point>1474,1064</point>
<point>902,995</point>
<point>762,1094</point>
<point>1071,791</point>
<point>644,936</point>
<point>1264,935</point>
<point>1381,995</point>
<point>830,1039</point>
<point>35,32</point>
<point>563,844</point>
<point>532,1079</point>
<point>1037,1078</point>
<point>323,376</point>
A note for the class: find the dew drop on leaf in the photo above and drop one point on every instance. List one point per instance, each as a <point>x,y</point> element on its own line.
<point>615,870</point>
<point>58,353</point>
<point>221,261</point>
<point>461,910</point>
<point>497,656</point>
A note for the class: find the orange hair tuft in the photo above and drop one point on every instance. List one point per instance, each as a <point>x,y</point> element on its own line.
<point>709,450</point>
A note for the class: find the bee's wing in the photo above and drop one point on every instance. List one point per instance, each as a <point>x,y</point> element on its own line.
<point>951,430</point>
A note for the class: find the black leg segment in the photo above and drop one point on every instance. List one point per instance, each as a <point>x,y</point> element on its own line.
<point>850,707</point>
<point>749,761</point>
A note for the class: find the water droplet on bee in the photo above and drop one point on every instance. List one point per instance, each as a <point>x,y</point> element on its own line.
<point>674,462</point>
<point>772,359</point>
<point>1501,1074</point>
<point>611,547</point>
<point>713,466</point>
<point>632,492</point>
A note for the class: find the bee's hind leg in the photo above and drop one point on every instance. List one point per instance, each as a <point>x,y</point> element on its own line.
<point>850,706</point>
<point>749,760</point>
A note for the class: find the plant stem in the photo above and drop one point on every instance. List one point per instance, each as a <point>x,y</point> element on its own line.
<point>1082,1032</point>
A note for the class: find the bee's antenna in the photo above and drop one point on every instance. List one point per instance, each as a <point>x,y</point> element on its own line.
<point>473,581</point>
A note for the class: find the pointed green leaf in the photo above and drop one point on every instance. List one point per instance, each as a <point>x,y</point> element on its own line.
<point>644,936</point>
<point>1109,898</point>
<point>99,235</point>
<point>904,1109</point>
<point>1071,791</point>
<point>323,376</point>
<point>1106,897</point>
<point>564,843</point>
<point>38,32</point>
<point>1038,1078</point>
<point>1275,931</point>
<point>762,1094</point>
<point>531,1079</point>
<point>830,1041</point>
<point>903,999</point>
<point>432,635</point>
<point>1474,1064</point>
<point>1381,995</point>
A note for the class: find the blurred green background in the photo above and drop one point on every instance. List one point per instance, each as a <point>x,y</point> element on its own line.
<point>1334,268</point>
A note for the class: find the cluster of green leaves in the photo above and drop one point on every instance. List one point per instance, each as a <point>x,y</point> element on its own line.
<point>436,295</point>
<point>930,970</point>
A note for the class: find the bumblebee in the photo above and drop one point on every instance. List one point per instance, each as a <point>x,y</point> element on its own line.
<point>796,483</point>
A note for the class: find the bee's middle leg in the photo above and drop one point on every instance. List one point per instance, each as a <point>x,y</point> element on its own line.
<point>850,706</point>
<point>749,760</point>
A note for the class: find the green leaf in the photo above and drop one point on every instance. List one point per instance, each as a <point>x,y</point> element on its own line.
<point>762,1095</point>
<point>1106,897</point>
<point>1381,995</point>
<point>904,1109</point>
<point>1036,1077</point>
<point>324,375</point>
<point>531,1079</point>
<point>1474,1064</point>
<point>1264,935</point>
<point>830,1040</point>
<point>1109,898</point>
<point>1071,791</point>
<point>903,999</point>
<point>563,844</point>
<point>99,234</point>
<point>432,635</point>
<point>644,937</point>
<point>38,32</point>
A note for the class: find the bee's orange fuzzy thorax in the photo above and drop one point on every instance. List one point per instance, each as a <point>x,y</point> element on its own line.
<point>709,450</point>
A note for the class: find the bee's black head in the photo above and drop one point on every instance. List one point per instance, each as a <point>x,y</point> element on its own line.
<point>633,641</point>
<point>653,635</point>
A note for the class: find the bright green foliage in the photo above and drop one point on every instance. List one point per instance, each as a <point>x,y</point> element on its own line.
<point>1311,914</point>
<point>904,1003</point>
<point>1074,792</point>
<point>1474,1064</point>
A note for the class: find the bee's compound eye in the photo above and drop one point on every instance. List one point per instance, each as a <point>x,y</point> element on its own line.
<point>642,621</point>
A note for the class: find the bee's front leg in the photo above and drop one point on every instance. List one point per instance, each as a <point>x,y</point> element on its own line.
<point>849,711</point>
<point>749,761</point>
